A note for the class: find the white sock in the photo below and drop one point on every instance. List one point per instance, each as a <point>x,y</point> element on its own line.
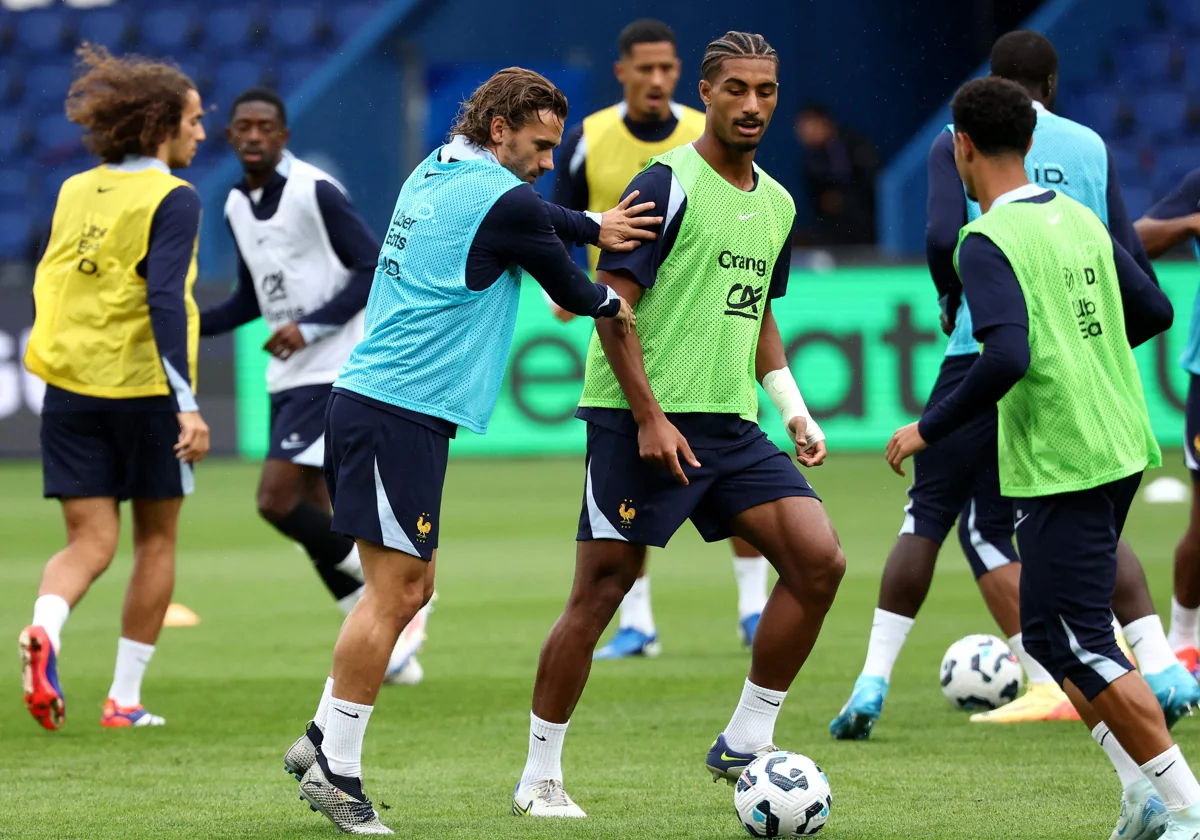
<point>345,726</point>
<point>50,612</point>
<point>752,726</point>
<point>751,575</point>
<point>132,659</point>
<point>1034,671</point>
<point>888,632</point>
<point>1184,624</point>
<point>1173,779</point>
<point>345,604</point>
<point>1127,770</point>
<point>322,715</point>
<point>352,565</point>
<point>635,608</point>
<point>1149,644</point>
<point>545,752</point>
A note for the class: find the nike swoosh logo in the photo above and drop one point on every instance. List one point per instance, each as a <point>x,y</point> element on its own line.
<point>768,702</point>
<point>105,189</point>
<point>1164,770</point>
<point>347,714</point>
<point>1135,644</point>
<point>261,241</point>
<point>1017,524</point>
<point>522,812</point>
<point>431,174</point>
<point>539,737</point>
<point>743,217</point>
<point>291,444</point>
<point>1055,219</point>
<point>725,756</point>
<point>1105,738</point>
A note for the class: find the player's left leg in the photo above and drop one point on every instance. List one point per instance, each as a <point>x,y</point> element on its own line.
<point>1171,682</point>
<point>750,570</point>
<point>1069,546</point>
<point>798,539</point>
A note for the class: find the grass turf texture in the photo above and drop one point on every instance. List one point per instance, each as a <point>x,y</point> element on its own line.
<point>237,689</point>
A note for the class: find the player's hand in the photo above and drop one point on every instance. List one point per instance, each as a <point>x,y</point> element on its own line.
<point>193,437</point>
<point>947,326</point>
<point>626,317</point>
<point>623,228</point>
<point>561,314</point>
<point>285,341</point>
<point>660,444</point>
<point>808,454</point>
<point>905,442</point>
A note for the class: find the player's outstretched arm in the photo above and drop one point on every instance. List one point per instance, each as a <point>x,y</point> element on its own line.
<point>659,442</point>
<point>946,214</point>
<point>1173,219</point>
<point>1148,310</point>
<point>771,369</point>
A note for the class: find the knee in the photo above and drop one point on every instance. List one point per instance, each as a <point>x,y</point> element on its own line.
<point>274,503</point>
<point>95,550</point>
<point>819,575</point>
<point>600,596</point>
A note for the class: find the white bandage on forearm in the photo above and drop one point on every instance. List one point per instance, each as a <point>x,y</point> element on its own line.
<point>782,389</point>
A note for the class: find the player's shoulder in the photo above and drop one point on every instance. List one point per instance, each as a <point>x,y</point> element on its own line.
<point>943,142</point>
<point>1085,139</point>
<point>612,115</point>
<point>304,171</point>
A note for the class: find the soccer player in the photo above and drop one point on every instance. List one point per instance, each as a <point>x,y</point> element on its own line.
<point>1174,219</point>
<point>671,414</point>
<point>1058,304</point>
<point>958,476</point>
<point>439,325</point>
<point>602,155</point>
<point>305,263</point>
<point>115,338</point>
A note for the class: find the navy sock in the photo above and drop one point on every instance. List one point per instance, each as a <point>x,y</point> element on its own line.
<point>308,525</point>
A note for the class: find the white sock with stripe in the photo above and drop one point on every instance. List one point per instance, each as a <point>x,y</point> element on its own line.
<point>1173,779</point>
<point>1149,644</point>
<point>346,725</point>
<point>132,659</point>
<point>545,752</point>
<point>752,726</point>
<point>1127,770</point>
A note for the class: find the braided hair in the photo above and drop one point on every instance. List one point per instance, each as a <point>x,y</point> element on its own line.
<point>735,45</point>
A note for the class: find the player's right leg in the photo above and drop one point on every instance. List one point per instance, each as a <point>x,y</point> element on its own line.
<point>81,468</point>
<point>291,494</point>
<point>943,478</point>
<point>1185,605</point>
<point>385,471</point>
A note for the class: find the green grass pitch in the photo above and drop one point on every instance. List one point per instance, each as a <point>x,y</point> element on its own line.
<point>444,755</point>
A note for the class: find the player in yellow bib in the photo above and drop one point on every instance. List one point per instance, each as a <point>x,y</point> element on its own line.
<point>598,159</point>
<point>115,338</point>
<point>1058,306</point>
<point>671,412</point>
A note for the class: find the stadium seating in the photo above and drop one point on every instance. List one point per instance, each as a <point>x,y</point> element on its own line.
<point>1146,103</point>
<point>225,46</point>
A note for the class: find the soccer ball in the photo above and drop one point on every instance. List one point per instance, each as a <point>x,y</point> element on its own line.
<point>782,794</point>
<point>980,672</point>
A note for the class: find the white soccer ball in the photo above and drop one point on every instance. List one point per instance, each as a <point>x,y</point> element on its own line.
<point>980,672</point>
<point>782,794</point>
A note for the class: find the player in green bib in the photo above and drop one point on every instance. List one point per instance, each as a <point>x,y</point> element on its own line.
<point>1058,307</point>
<point>672,429</point>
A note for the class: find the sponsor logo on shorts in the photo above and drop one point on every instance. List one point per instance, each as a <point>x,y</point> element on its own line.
<point>628,512</point>
<point>424,526</point>
<point>293,441</point>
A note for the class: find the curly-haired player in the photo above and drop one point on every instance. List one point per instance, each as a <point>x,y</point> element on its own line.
<point>115,338</point>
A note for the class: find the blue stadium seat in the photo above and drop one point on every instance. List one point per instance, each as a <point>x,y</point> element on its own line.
<point>55,132</point>
<point>296,25</point>
<point>1129,164</point>
<point>1184,14</point>
<point>164,30</point>
<point>105,26</point>
<point>1097,110</point>
<point>1174,162</point>
<point>47,83</point>
<point>230,29</point>
<point>15,232</point>
<point>43,31</point>
<point>1161,112</point>
<point>14,185</point>
<point>12,136</point>
<point>11,82</point>
<point>231,78</point>
<point>1150,60</point>
<point>1191,65</point>
<point>293,73</point>
<point>1137,201</point>
<point>349,19</point>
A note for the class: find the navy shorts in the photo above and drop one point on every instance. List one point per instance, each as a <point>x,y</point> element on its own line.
<point>958,478</point>
<point>1191,432</point>
<point>113,453</point>
<point>1068,546</point>
<point>385,473</point>
<point>298,425</point>
<point>627,499</point>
